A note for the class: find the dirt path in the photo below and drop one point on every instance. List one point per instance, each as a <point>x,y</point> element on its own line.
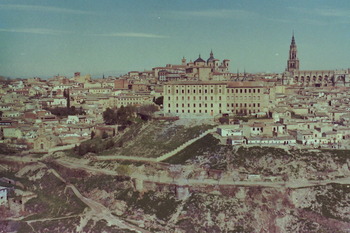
<point>97,211</point>
<point>192,182</point>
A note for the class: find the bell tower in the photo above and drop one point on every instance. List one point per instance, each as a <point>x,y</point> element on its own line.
<point>293,61</point>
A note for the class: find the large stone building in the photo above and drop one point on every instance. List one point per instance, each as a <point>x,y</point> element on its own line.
<point>208,98</point>
<point>312,78</point>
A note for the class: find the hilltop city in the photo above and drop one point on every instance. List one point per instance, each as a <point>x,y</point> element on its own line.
<point>302,108</point>
<point>188,147</point>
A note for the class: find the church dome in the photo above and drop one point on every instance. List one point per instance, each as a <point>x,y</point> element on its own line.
<point>199,59</point>
<point>211,58</point>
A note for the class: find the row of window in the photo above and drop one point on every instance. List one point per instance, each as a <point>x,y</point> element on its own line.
<point>194,105</point>
<point>212,105</point>
<point>194,111</point>
<point>206,91</point>
<point>211,111</point>
<point>244,105</point>
<point>240,90</point>
<point>194,98</point>
<point>219,97</point>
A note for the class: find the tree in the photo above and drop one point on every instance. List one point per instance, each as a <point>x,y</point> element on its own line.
<point>146,111</point>
<point>92,134</point>
<point>66,95</point>
<point>109,117</point>
<point>104,135</point>
<point>224,120</point>
<point>159,100</point>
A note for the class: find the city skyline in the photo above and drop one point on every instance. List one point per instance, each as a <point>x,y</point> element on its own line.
<point>46,38</point>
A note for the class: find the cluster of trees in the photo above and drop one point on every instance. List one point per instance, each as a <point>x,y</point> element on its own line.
<point>94,147</point>
<point>65,111</point>
<point>124,115</point>
<point>121,116</point>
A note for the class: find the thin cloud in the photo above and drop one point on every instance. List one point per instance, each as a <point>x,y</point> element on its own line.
<point>42,8</point>
<point>333,12</point>
<point>43,31</point>
<point>325,12</point>
<point>220,13</point>
<point>131,34</point>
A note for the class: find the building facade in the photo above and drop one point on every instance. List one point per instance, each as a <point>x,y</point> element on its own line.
<point>214,98</point>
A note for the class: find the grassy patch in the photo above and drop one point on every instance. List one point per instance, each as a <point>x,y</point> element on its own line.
<point>163,205</point>
<point>155,139</point>
<point>207,144</point>
<point>52,199</point>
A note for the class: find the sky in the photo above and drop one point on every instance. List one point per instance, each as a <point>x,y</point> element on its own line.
<point>44,38</point>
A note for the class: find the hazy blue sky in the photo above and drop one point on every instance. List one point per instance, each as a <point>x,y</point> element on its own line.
<point>47,37</point>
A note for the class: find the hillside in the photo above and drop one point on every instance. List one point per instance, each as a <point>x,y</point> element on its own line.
<point>154,139</point>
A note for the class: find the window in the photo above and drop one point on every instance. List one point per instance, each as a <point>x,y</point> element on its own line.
<point>194,105</point>
<point>177,105</point>
<point>236,90</point>
<point>211,97</point>
<point>211,105</point>
<point>205,91</point>
<point>241,90</point>
<point>169,91</point>
<point>258,90</point>
<point>205,98</point>
<point>169,98</point>
<point>219,105</point>
<point>259,105</point>
<point>200,105</point>
<point>211,91</point>
<point>219,97</point>
<point>182,91</point>
<point>205,105</point>
<point>183,105</point>
<point>177,91</point>
<point>194,90</point>
<point>245,90</point>
<point>250,90</point>
<point>169,105</point>
<point>200,91</point>
<point>188,91</point>
<point>188,105</point>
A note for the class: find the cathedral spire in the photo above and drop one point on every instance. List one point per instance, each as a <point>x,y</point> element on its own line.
<point>293,39</point>
<point>293,61</point>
